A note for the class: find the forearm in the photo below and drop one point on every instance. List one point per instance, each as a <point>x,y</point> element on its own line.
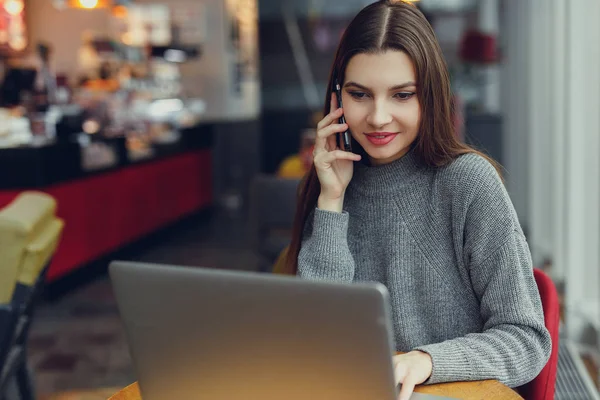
<point>325,255</point>
<point>514,345</point>
<point>510,354</point>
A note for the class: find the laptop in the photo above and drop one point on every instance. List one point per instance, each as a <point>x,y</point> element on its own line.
<point>198,333</point>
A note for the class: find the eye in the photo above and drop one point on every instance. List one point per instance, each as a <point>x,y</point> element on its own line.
<point>358,95</point>
<point>404,95</point>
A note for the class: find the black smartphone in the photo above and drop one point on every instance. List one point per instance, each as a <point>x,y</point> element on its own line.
<point>344,139</point>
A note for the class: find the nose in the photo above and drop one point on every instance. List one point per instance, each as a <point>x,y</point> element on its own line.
<point>379,116</point>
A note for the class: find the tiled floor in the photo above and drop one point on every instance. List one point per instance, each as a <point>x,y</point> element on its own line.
<point>78,342</point>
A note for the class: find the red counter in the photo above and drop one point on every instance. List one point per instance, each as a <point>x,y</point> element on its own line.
<point>106,211</point>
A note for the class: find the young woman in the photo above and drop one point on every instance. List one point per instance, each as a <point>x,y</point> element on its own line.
<point>417,210</point>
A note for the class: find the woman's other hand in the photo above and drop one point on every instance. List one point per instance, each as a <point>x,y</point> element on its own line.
<point>411,369</point>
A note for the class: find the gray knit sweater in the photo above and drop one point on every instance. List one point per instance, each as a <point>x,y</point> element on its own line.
<point>447,244</point>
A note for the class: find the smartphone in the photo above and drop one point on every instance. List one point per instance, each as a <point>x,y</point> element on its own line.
<point>344,139</point>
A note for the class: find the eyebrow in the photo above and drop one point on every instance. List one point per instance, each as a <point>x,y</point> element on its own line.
<point>397,87</point>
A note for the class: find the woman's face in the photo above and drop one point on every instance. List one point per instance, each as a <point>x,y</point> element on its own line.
<point>381,105</point>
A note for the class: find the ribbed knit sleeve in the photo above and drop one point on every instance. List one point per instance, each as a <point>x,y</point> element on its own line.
<point>324,254</point>
<point>515,345</point>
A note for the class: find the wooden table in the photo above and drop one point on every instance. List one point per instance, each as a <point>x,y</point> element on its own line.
<point>489,390</point>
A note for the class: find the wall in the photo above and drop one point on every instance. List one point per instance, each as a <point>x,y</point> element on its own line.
<point>552,143</point>
<point>63,29</point>
<point>210,77</point>
<point>515,103</point>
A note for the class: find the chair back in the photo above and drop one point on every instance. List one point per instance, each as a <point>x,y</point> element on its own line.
<point>272,209</point>
<point>21,222</point>
<point>29,236</point>
<point>543,386</point>
<point>273,201</point>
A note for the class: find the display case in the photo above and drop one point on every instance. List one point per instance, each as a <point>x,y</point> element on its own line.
<point>105,210</point>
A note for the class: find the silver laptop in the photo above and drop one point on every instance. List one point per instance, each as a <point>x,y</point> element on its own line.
<point>199,333</point>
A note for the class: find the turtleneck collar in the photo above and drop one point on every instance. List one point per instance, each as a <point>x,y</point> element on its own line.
<point>388,177</point>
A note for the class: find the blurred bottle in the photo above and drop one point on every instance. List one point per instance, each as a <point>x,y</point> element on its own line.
<point>43,95</point>
<point>44,88</point>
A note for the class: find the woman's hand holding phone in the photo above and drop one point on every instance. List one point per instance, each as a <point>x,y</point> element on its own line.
<point>334,166</point>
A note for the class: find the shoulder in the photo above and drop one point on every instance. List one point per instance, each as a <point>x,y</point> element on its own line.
<point>472,181</point>
<point>477,192</point>
<point>470,168</point>
<point>469,176</point>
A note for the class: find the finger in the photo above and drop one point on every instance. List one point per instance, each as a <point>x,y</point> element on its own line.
<point>408,386</point>
<point>399,372</point>
<point>329,118</point>
<point>324,133</point>
<point>331,156</point>
<point>332,142</point>
<point>331,129</point>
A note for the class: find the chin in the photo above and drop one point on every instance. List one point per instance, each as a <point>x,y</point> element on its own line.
<point>385,156</point>
<point>378,154</point>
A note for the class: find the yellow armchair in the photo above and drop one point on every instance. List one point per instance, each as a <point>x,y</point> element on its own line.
<point>29,235</point>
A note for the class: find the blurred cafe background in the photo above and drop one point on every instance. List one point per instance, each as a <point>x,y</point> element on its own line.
<point>177,131</point>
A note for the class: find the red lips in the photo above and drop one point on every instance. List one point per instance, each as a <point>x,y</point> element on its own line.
<point>380,138</point>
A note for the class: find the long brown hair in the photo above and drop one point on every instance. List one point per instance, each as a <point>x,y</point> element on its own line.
<point>392,25</point>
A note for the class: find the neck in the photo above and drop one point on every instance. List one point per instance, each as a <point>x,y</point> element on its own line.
<point>388,177</point>
<point>379,162</point>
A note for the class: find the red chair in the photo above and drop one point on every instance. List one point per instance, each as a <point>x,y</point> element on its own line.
<point>542,387</point>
